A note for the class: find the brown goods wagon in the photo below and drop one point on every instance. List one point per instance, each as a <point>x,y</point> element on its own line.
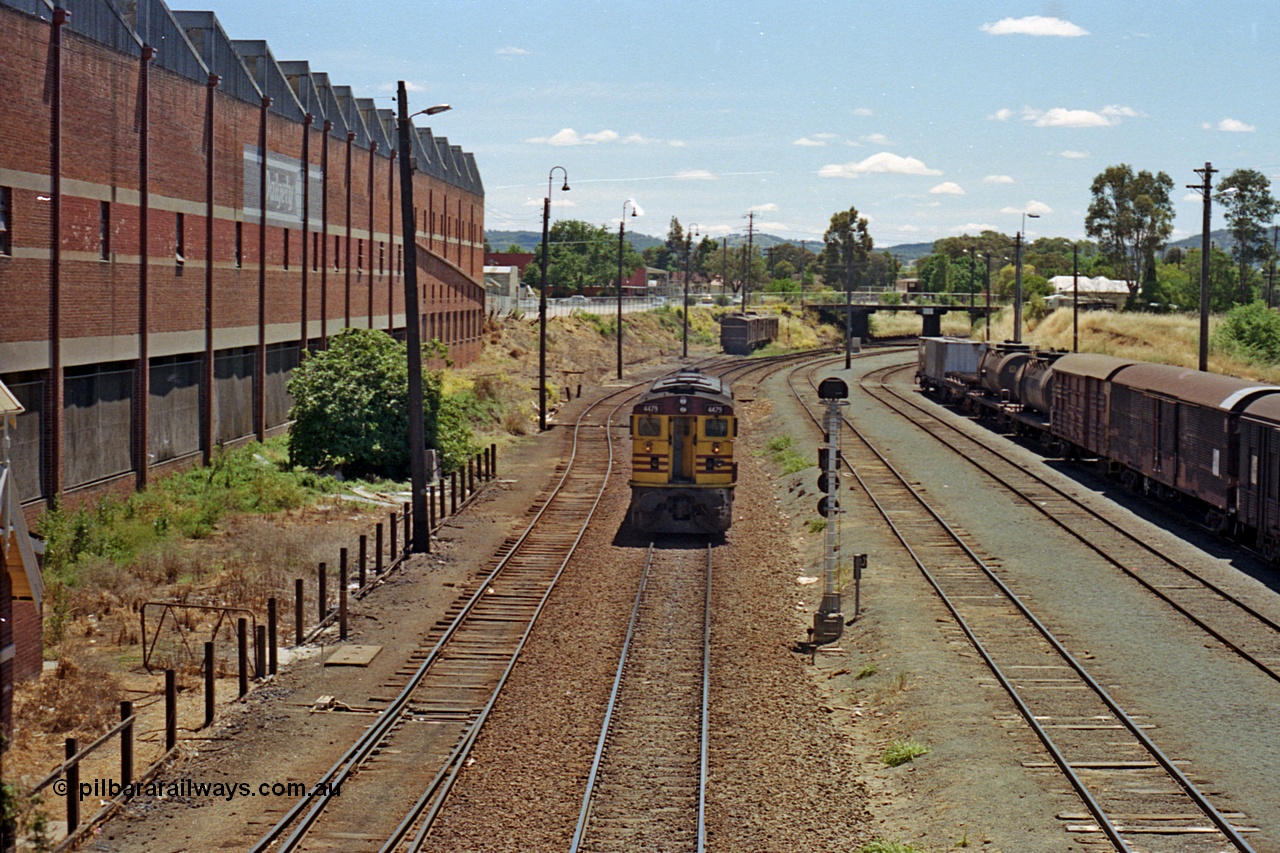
<point>1178,427</point>
<point>1258,490</point>
<point>1080,399</point>
<point>742,334</point>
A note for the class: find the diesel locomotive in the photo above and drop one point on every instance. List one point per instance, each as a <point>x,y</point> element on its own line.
<point>682,468</point>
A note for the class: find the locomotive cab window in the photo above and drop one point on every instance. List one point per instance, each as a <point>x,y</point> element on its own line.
<point>648,426</point>
<point>716,427</point>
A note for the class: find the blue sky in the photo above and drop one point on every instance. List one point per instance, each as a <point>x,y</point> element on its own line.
<point>932,118</point>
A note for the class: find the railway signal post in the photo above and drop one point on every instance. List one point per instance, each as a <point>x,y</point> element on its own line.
<point>828,622</point>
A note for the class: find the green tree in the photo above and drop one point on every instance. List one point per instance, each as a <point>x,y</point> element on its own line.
<point>1250,207</point>
<point>351,408</point>
<point>1251,332</point>
<point>1131,216</point>
<point>583,255</point>
<point>846,248</point>
<point>1222,282</point>
<point>934,272</point>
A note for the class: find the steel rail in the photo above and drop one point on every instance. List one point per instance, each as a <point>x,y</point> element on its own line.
<point>1268,669</point>
<point>706,712</point>
<point>367,742</point>
<point>584,814</point>
<point>1086,796</point>
<point>448,774</point>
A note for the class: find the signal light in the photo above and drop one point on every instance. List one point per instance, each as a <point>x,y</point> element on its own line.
<point>828,506</point>
<point>823,482</point>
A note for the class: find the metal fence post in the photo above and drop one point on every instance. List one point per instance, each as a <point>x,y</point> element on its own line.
<point>342,595</point>
<point>208,684</point>
<point>126,744</point>
<point>73,787</point>
<point>273,653</point>
<point>297,611</point>
<point>170,709</point>
<point>242,652</point>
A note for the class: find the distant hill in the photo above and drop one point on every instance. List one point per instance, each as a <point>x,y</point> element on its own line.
<point>528,241</point>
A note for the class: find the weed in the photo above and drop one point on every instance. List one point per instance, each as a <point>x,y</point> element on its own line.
<point>867,671</point>
<point>781,449</point>
<point>816,525</point>
<point>899,752</point>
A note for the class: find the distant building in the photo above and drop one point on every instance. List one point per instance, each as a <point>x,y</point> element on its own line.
<point>1096,292</point>
<point>504,272</point>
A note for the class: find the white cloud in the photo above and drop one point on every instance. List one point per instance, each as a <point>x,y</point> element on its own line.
<point>806,142</point>
<point>1063,117</point>
<point>997,179</point>
<point>1230,125</point>
<point>1074,155</point>
<point>1037,207</point>
<point>824,136</point>
<point>1034,25</point>
<point>569,136</point>
<point>677,143</point>
<point>695,175</point>
<point>636,139</point>
<point>863,111</point>
<point>876,139</point>
<point>764,208</point>
<point>947,188</point>
<point>882,163</point>
<point>1003,114</point>
<point>1109,116</point>
<point>512,51</point>
<point>974,228</point>
<point>908,229</point>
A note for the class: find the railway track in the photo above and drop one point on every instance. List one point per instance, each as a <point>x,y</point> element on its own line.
<point>388,787</point>
<point>1132,792</point>
<point>427,729</point>
<point>1244,630</point>
<point>646,790</point>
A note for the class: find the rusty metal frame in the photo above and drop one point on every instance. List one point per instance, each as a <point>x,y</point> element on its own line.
<point>170,606</point>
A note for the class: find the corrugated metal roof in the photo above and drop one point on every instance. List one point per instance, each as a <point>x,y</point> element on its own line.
<point>351,113</point>
<point>257,58</point>
<point>477,184</point>
<point>34,8</point>
<point>373,124</point>
<point>298,74</point>
<point>211,43</point>
<point>330,109</point>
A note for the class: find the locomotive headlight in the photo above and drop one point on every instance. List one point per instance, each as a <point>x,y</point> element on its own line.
<point>648,447</point>
<point>715,448</point>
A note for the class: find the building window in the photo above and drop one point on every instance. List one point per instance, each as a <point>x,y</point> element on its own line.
<point>399,260</point>
<point>359,258</point>
<point>286,248</point>
<point>180,238</point>
<point>104,230</point>
<point>382,257</point>
<point>6,219</point>
<point>315,251</point>
<point>239,245</point>
<point>337,252</point>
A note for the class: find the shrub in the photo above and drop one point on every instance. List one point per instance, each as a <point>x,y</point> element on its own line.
<point>1251,333</point>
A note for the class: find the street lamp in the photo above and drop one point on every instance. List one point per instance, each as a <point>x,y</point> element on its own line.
<point>1017,278</point>
<point>542,298</point>
<point>420,538</point>
<point>688,250</point>
<point>635,211</point>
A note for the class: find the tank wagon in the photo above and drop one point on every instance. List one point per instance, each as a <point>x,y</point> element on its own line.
<point>682,467</point>
<point>743,334</point>
<point>1203,439</point>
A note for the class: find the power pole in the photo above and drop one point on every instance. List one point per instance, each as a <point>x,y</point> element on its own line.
<point>1206,190</point>
<point>746,284</point>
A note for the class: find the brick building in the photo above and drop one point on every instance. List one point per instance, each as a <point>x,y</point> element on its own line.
<point>157,284</point>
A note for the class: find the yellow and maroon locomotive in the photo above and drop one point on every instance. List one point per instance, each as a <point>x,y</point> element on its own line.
<point>682,468</point>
